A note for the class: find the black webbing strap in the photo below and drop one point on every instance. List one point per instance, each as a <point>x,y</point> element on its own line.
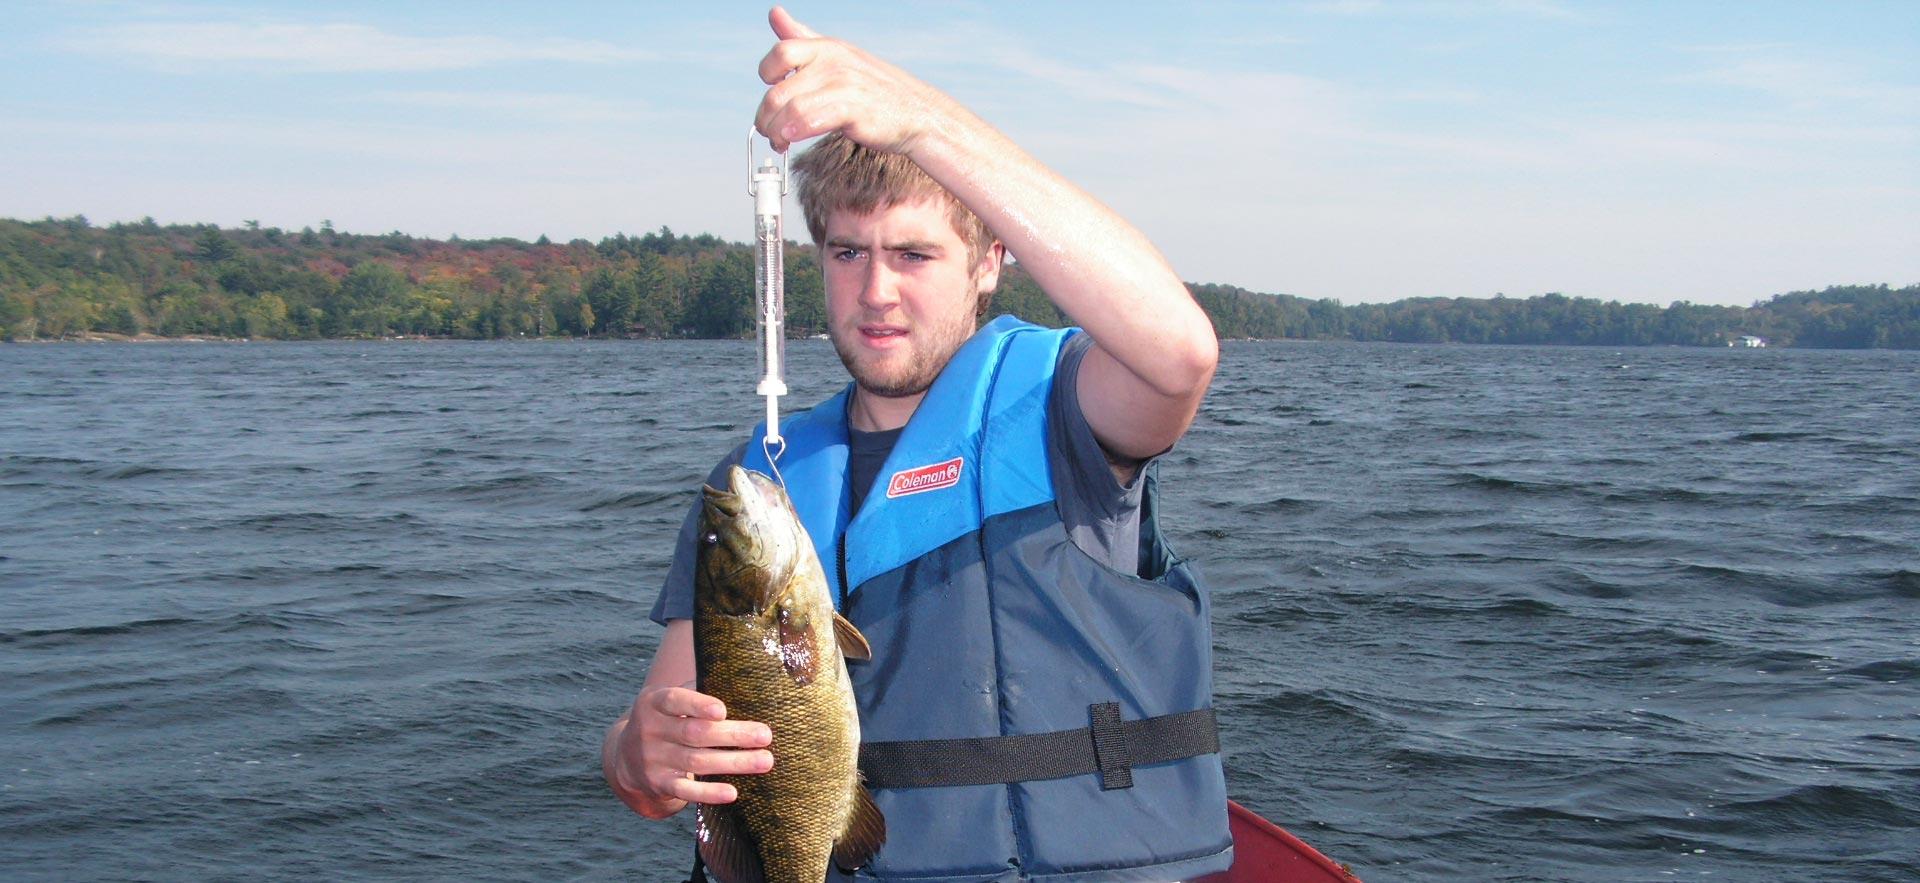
<point>1111,753</point>
<point>1109,747</point>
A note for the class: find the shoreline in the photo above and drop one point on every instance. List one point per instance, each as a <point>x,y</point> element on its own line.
<point>111,337</point>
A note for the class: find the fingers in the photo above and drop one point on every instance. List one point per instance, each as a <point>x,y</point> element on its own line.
<point>786,27</point>
<point>719,734</point>
<point>678,781</point>
<point>680,702</point>
<point>785,117</point>
<point>723,762</point>
<point>684,733</point>
<point>694,719</point>
<point>798,46</point>
<point>821,85</point>
<point>711,793</point>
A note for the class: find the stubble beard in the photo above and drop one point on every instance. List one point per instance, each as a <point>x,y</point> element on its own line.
<point>922,367</point>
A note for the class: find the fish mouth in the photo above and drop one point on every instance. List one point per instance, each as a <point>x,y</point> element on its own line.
<point>722,505</point>
<point>752,516</point>
<point>749,495</point>
<point>758,492</point>
<point>746,546</point>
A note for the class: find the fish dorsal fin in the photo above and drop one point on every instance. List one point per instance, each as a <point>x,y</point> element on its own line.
<point>726,848</point>
<point>853,645</point>
<point>866,830</point>
<point>799,651</point>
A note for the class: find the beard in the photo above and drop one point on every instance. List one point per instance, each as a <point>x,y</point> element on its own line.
<point>900,374</point>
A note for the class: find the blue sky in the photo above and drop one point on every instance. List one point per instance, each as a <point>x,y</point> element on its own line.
<point>1366,151</point>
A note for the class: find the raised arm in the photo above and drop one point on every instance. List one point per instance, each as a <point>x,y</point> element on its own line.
<point>1154,350</point>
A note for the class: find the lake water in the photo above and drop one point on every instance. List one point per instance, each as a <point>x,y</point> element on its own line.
<point>324,610</point>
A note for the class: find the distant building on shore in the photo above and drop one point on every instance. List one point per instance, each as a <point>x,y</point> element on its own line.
<point>1748,340</point>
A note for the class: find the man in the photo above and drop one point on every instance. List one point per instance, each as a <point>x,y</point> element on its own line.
<point>1022,595</point>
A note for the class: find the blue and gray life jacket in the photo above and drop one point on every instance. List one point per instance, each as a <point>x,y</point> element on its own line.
<point>1029,713</point>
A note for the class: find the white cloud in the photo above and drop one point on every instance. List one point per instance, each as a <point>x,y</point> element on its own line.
<point>329,48</point>
<point>1543,9</point>
<point>1440,96</point>
<point>520,106</point>
<point>1802,83</point>
<point>419,178</point>
<point>1300,184</point>
<point>1257,40</point>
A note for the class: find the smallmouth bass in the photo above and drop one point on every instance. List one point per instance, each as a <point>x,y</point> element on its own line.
<point>768,643</point>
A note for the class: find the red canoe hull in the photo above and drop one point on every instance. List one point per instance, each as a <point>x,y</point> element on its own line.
<point>1263,852</point>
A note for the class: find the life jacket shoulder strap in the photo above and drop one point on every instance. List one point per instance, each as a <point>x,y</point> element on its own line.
<point>1108,746</point>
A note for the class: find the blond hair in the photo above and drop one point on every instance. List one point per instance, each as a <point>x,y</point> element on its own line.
<point>836,175</point>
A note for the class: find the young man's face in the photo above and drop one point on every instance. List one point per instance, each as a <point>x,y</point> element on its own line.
<point>901,293</point>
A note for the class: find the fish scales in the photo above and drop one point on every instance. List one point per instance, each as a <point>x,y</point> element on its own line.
<point>767,643</point>
<point>792,809</point>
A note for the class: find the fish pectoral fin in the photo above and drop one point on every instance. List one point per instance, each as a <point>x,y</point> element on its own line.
<point>853,645</point>
<point>799,652</point>
<point>866,830</point>
<point>726,848</point>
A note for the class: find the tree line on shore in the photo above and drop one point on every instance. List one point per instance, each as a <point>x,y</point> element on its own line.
<point>62,278</point>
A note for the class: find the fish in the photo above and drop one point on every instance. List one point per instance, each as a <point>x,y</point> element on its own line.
<point>769,644</point>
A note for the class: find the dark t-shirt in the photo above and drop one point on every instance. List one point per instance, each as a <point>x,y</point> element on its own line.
<point>866,453</point>
<point>1102,515</point>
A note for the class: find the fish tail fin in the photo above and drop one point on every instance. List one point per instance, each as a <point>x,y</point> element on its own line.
<point>866,830</point>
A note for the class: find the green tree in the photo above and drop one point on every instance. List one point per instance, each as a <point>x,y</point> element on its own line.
<point>186,311</point>
<point>265,317</point>
<point>806,296</point>
<point>723,301</point>
<point>15,311</point>
<point>213,246</point>
<point>372,296</point>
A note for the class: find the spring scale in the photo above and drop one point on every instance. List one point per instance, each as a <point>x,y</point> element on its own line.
<point>767,183</point>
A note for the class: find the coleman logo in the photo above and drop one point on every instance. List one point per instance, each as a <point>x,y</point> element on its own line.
<point>924,478</point>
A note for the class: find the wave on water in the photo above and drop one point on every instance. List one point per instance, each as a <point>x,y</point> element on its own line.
<point>124,472</point>
<point>1887,671</point>
<point>1552,621</point>
<point>1782,436</point>
<point>27,636</point>
<point>1494,483</point>
<point>324,523</point>
<point>184,699</point>
<point>16,460</point>
<point>1669,495</point>
<point>182,629</point>
<point>1813,807</point>
<point>1901,583</point>
<point>1773,587</point>
<point>1574,582</point>
<point>633,500</point>
<point>1279,506</point>
<point>1481,434</point>
<point>1317,708</point>
<point>508,487</point>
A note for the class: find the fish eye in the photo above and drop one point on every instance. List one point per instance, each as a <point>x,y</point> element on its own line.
<point>711,539</point>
